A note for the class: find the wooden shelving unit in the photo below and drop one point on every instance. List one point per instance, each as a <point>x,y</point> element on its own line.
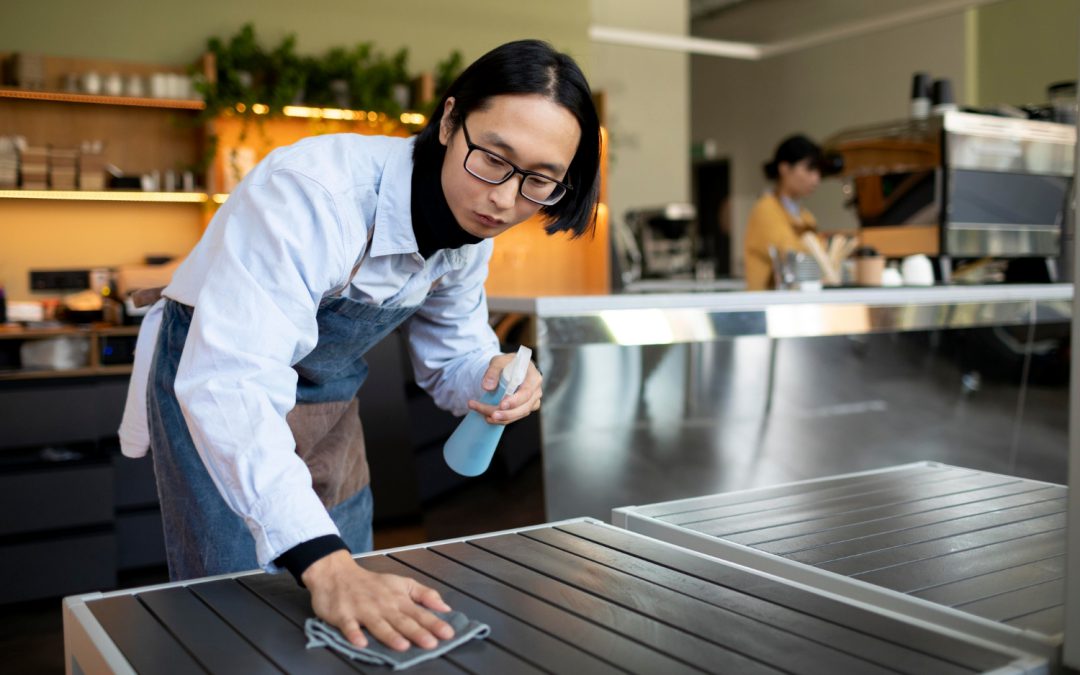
<point>69,97</point>
<point>109,196</point>
<point>93,333</point>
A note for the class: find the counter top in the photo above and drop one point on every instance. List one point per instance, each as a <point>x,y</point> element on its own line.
<point>757,300</point>
<point>666,318</point>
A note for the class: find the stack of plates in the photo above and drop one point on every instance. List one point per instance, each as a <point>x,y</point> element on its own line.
<point>63,167</point>
<point>91,166</point>
<point>34,165</point>
<point>9,161</point>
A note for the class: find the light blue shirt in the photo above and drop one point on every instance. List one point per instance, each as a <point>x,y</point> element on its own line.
<point>289,235</point>
<point>792,207</point>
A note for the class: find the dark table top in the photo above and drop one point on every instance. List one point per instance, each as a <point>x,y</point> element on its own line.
<point>575,597</point>
<point>986,544</point>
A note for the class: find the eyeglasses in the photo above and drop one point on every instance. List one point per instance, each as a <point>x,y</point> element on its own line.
<point>495,169</point>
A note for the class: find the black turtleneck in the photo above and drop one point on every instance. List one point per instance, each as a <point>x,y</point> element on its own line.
<point>434,224</point>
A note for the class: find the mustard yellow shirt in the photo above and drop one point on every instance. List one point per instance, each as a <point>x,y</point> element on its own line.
<point>771,224</point>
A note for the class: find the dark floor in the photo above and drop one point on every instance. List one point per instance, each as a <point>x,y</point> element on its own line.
<point>31,633</point>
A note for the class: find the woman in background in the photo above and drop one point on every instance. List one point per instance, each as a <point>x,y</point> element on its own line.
<point>778,219</point>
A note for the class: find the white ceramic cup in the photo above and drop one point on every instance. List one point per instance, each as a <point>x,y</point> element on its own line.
<point>917,270</point>
<point>114,84</point>
<point>159,85</point>
<point>91,82</point>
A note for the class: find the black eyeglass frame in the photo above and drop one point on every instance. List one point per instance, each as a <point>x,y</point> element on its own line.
<point>514,169</point>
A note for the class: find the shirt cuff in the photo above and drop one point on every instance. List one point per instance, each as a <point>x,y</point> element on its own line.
<point>300,557</point>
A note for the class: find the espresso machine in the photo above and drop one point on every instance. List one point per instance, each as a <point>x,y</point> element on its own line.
<point>961,185</point>
<point>659,242</point>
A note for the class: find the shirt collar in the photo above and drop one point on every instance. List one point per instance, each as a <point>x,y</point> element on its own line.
<point>393,210</point>
<point>393,219</point>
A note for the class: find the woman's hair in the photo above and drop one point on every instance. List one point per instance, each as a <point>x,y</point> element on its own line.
<point>793,150</point>
<point>530,67</point>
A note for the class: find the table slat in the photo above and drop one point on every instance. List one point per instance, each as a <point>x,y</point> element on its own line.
<point>674,642</point>
<point>202,632</point>
<point>260,624</point>
<point>860,645</point>
<point>913,637</point>
<point>294,604</point>
<point>146,644</point>
<point>927,526</point>
<point>663,510</point>
<point>893,500</point>
<point>724,628</point>
<point>544,621</point>
<point>1015,604</point>
<point>868,521</point>
<point>531,648</point>
<point>986,585</point>
<point>1000,536</point>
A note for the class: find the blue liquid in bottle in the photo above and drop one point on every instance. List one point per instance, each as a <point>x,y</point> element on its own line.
<point>470,448</point>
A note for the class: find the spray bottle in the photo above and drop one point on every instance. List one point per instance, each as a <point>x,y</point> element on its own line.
<point>470,448</point>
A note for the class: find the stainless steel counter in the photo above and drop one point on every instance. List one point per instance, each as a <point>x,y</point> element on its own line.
<point>651,318</point>
<point>652,397</point>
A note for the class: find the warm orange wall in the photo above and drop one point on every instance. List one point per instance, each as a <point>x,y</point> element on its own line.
<point>263,135</point>
<point>526,260</point>
<point>63,235</point>
<point>529,262</point>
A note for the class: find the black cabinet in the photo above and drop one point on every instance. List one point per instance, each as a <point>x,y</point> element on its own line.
<point>75,512</point>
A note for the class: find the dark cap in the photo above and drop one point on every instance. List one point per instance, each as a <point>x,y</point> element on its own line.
<point>920,85</point>
<point>942,92</point>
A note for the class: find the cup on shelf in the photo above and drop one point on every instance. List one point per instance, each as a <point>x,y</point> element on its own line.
<point>869,264</point>
<point>113,85</point>
<point>917,270</point>
<point>91,82</point>
<point>891,277</point>
<point>159,85</point>
<point>134,86</point>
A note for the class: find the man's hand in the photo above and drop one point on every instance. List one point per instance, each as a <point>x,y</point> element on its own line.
<point>512,408</point>
<point>390,607</point>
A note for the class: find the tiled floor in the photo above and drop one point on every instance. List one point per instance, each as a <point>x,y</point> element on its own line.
<point>31,634</point>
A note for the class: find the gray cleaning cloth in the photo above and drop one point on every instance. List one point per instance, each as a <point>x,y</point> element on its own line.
<point>321,634</point>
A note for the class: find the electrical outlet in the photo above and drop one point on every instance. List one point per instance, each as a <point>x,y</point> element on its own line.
<point>59,280</point>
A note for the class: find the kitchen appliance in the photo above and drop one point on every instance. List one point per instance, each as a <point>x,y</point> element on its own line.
<point>960,185</point>
<point>665,238</point>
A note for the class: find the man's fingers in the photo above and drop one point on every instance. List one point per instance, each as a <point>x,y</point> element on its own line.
<point>428,597</point>
<point>414,632</point>
<point>432,623</point>
<point>351,631</point>
<point>386,634</point>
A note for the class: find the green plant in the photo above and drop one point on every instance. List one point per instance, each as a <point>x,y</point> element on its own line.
<point>248,74</point>
<point>446,71</point>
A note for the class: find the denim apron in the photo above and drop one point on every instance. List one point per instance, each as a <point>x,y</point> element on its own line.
<point>203,536</point>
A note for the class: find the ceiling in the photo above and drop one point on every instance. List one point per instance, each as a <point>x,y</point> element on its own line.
<point>769,21</point>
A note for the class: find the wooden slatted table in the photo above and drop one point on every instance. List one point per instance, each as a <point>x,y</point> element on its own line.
<point>573,597</point>
<point>973,551</point>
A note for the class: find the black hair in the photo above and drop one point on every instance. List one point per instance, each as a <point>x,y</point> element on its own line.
<point>530,67</point>
<point>793,150</point>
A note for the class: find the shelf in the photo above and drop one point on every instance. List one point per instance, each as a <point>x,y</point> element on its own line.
<point>112,196</point>
<point>45,374</point>
<point>18,332</point>
<point>136,102</point>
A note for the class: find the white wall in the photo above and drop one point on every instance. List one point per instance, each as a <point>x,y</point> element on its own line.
<point>648,95</point>
<point>748,107</point>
